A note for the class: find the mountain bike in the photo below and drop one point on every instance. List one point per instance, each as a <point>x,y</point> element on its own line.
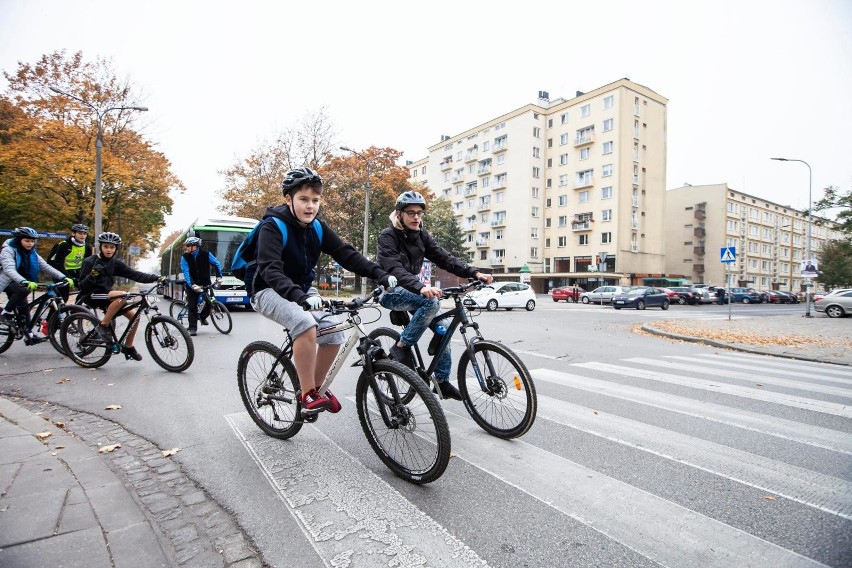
<point>167,341</point>
<point>47,313</point>
<point>219,314</point>
<point>410,436</point>
<point>496,387</point>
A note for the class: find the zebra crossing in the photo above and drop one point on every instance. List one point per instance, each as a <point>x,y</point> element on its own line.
<point>769,440</point>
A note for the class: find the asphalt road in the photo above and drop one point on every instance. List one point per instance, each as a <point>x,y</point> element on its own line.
<point>645,452</point>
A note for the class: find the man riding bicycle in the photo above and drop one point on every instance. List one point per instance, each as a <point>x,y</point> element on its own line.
<point>195,265</point>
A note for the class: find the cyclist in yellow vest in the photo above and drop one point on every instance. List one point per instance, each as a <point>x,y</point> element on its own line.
<point>67,256</point>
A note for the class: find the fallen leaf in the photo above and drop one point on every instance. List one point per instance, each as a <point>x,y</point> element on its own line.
<point>758,384</point>
<point>59,424</point>
<point>48,370</point>
<point>768,498</point>
<point>110,448</point>
<point>43,435</point>
<point>173,451</point>
<point>63,380</point>
<point>596,412</point>
<point>453,454</point>
<point>59,447</point>
<point>113,407</point>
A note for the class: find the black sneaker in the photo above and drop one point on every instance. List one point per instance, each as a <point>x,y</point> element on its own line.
<point>33,340</point>
<point>204,322</point>
<point>193,332</point>
<point>131,353</point>
<point>403,355</point>
<point>449,391</point>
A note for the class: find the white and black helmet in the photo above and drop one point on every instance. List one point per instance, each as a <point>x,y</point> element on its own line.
<point>109,238</point>
<point>298,177</point>
<point>25,233</point>
<point>192,242</point>
<point>410,198</point>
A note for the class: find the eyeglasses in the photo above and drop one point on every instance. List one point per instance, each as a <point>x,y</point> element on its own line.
<point>415,213</point>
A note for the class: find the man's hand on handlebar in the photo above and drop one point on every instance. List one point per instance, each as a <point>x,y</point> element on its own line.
<point>431,292</point>
<point>482,277</point>
<point>311,303</point>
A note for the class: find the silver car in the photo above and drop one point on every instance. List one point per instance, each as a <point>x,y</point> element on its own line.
<point>835,305</point>
<point>603,294</point>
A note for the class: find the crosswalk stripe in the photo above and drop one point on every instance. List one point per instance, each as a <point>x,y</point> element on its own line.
<point>750,377</point>
<point>714,386</point>
<point>631,516</point>
<point>779,427</point>
<point>762,369</point>
<point>805,366</point>
<point>814,489</point>
<point>349,514</point>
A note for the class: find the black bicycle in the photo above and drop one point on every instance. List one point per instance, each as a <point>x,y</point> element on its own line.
<point>167,341</point>
<point>410,435</point>
<point>219,314</point>
<point>496,387</point>
<point>47,312</point>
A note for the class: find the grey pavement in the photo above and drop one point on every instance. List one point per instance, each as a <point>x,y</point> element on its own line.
<point>67,502</point>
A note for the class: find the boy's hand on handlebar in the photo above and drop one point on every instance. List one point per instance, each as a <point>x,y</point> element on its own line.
<point>389,281</point>
<point>431,292</point>
<point>481,276</point>
<point>311,303</point>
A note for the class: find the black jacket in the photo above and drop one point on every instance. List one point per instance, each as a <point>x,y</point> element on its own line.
<point>401,253</point>
<point>56,256</point>
<point>291,271</point>
<point>97,276</point>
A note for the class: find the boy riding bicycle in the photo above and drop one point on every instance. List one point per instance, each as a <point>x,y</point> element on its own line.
<point>195,265</point>
<point>97,279</point>
<point>283,281</point>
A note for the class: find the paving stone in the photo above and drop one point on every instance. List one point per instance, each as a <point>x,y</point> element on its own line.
<point>193,498</point>
<point>82,548</point>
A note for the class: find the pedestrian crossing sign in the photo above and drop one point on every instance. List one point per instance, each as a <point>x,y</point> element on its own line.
<point>729,254</point>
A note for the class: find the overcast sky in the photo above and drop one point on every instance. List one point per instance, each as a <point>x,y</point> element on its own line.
<point>746,80</point>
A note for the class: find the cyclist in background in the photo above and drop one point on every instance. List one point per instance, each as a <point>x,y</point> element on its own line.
<point>282,285</point>
<point>195,265</point>
<point>402,248</point>
<point>67,256</point>
<point>21,265</point>
<point>98,275</point>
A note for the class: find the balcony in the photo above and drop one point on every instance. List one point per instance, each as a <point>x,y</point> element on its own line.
<point>634,200</point>
<point>584,139</point>
<point>700,214</point>
<point>455,178</point>
<point>446,165</point>
<point>698,251</point>
<point>503,146</point>
<point>586,181</point>
<point>581,225</point>
<point>484,206</point>
<point>483,243</point>
<point>699,232</point>
<point>471,156</point>
<point>500,183</point>
<point>698,268</point>
<point>496,260</point>
<point>498,222</point>
<point>483,170</point>
<point>470,191</point>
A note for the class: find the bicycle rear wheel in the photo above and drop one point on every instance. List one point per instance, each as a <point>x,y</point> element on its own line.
<point>268,389</point>
<point>54,324</point>
<point>169,344</point>
<point>505,406</point>
<point>414,441</point>
<point>175,309</point>
<point>81,341</point>
<point>221,317</point>
<point>387,338</point>
<point>7,336</point>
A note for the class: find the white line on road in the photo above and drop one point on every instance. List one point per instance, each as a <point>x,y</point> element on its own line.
<point>810,367</point>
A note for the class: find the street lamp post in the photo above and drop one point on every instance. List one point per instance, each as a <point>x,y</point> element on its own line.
<point>810,227</point>
<point>99,114</point>
<point>368,161</point>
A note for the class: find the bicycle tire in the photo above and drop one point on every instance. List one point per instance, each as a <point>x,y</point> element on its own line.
<point>54,324</point>
<point>169,343</point>
<point>509,410</point>
<point>221,317</point>
<point>387,338</point>
<point>175,308</point>
<point>257,382</point>
<point>7,337</point>
<point>418,450</point>
<point>81,342</point>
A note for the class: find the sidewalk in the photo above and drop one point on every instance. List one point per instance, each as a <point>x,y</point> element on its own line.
<point>63,502</point>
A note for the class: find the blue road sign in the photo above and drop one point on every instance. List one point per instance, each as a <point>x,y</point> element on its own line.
<point>728,254</point>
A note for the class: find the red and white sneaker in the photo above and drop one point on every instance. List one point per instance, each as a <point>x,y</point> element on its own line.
<point>312,401</point>
<point>333,404</point>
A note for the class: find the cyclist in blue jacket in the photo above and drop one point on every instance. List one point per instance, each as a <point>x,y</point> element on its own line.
<point>195,265</point>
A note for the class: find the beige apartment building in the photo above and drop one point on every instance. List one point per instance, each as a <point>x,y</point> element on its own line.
<point>770,239</point>
<point>543,190</point>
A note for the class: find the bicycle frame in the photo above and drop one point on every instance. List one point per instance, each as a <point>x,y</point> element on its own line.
<point>143,304</point>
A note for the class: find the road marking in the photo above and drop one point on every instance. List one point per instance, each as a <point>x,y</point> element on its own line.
<point>349,514</point>
<point>805,366</point>
<point>779,427</point>
<point>713,386</point>
<point>798,373</point>
<point>631,516</point>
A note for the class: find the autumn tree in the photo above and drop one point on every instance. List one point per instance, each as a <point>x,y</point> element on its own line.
<point>47,152</point>
<point>835,263</point>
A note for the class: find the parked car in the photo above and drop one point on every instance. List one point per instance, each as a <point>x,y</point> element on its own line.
<point>508,295</point>
<point>641,297</point>
<point>834,292</point>
<point>788,297</point>
<point>704,294</point>
<point>770,296</point>
<point>744,295</point>
<point>567,293</point>
<point>687,295</point>
<point>603,294</point>
<point>835,305</point>
<point>674,297</point>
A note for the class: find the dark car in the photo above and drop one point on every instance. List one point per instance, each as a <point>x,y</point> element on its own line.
<point>788,297</point>
<point>641,297</point>
<point>744,295</point>
<point>687,295</point>
<point>770,297</point>
<point>566,293</point>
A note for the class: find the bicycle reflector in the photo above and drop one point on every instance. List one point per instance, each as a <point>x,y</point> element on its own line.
<point>517,383</point>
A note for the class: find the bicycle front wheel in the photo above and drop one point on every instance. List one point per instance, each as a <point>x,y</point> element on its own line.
<point>7,336</point>
<point>81,341</point>
<point>268,388</point>
<point>411,438</point>
<point>504,404</point>
<point>221,317</point>
<point>175,308</point>
<point>54,324</point>
<point>169,344</point>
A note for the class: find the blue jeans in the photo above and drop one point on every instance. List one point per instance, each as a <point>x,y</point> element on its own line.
<point>423,310</point>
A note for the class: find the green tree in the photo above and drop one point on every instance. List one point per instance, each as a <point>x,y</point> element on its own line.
<point>442,224</point>
<point>835,199</point>
<point>835,264</point>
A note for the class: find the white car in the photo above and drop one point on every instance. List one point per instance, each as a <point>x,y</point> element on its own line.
<point>508,295</point>
<point>603,294</point>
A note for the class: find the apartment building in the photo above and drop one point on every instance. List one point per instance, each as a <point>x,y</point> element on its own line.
<point>546,188</point>
<point>770,239</point>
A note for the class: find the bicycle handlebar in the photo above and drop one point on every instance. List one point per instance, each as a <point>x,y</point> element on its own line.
<point>462,288</point>
<point>51,285</point>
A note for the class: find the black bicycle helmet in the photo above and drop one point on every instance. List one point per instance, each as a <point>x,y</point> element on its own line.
<point>109,238</point>
<point>25,233</point>
<point>80,228</point>
<point>410,198</point>
<point>192,242</point>
<point>298,177</point>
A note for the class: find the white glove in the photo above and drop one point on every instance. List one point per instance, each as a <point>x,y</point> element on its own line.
<point>196,288</point>
<point>312,302</point>
<point>218,281</point>
<point>392,281</point>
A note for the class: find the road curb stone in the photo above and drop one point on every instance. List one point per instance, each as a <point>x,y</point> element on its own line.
<point>192,527</point>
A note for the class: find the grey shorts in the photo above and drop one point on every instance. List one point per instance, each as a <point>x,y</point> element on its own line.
<point>289,314</point>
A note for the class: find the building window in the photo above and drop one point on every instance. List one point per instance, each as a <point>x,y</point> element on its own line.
<point>535,192</point>
<point>607,125</point>
<point>501,159</point>
<point>498,197</point>
<point>607,147</point>
<point>535,211</point>
<point>563,200</point>
<point>584,197</point>
<point>536,132</point>
<point>536,172</point>
<point>562,221</point>
<point>563,159</point>
<point>561,242</point>
<point>583,240</point>
<point>563,179</point>
<point>564,118</point>
<point>585,110</point>
<point>606,215</point>
<point>609,101</point>
<point>536,152</point>
<point>486,145</point>
<point>606,192</point>
<point>533,252</point>
<point>584,154</point>
<point>563,139</point>
<point>534,233</point>
<point>606,238</point>
<point>606,171</point>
